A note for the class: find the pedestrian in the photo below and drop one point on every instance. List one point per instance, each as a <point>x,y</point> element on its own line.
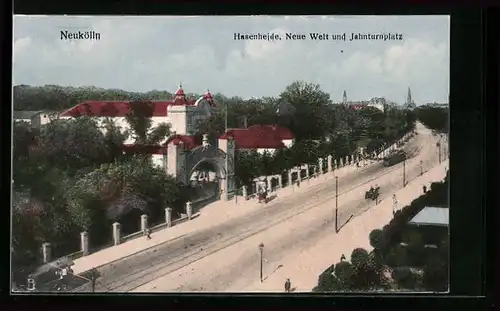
<point>288,285</point>
<point>93,278</point>
<point>342,258</point>
<point>424,188</point>
<point>298,183</point>
<point>148,234</point>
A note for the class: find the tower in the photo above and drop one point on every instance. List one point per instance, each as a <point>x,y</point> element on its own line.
<point>409,102</point>
<point>344,98</point>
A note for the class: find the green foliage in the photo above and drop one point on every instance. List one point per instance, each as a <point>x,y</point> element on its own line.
<point>404,277</point>
<point>397,256</point>
<point>435,118</point>
<point>359,258</point>
<point>344,272</point>
<point>377,239</point>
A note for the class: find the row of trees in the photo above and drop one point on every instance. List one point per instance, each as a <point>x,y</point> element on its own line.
<point>435,118</point>
<point>400,259</point>
<point>71,176</point>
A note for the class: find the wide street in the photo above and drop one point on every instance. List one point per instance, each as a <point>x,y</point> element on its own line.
<point>225,257</point>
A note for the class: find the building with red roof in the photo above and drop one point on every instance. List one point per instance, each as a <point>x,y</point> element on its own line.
<point>261,138</point>
<point>181,112</point>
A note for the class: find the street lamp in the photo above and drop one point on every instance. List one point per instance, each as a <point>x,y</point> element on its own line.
<point>261,247</point>
<point>336,204</point>
<point>438,145</point>
<point>404,171</point>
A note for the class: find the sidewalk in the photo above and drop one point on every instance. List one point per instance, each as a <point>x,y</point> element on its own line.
<point>211,215</point>
<point>355,234</point>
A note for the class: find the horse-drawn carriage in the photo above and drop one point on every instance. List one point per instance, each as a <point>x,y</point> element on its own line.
<point>372,194</point>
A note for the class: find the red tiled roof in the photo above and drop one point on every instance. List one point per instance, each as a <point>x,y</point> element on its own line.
<point>144,149</point>
<point>358,106</point>
<point>282,132</point>
<point>122,108</point>
<point>116,109</point>
<point>256,137</point>
<point>189,141</point>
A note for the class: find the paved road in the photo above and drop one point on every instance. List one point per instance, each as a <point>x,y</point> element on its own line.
<point>133,272</point>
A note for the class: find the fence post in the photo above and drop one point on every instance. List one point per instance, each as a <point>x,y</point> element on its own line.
<point>168,217</point>
<point>116,233</point>
<point>84,243</point>
<point>189,210</point>
<point>46,252</point>
<point>144,223</point>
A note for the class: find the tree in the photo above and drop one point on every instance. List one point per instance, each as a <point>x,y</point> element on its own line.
<point>377,239</point>
<point>359,258</point>
<point>397,256</point>
<point>140,123</point>
<point>435,276</point>
<point>404,277</point>
<point>344,272</point>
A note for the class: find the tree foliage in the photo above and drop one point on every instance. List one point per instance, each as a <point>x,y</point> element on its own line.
<point>435,118</point>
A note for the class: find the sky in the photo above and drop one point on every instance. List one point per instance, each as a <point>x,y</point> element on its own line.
<point>160,52</point>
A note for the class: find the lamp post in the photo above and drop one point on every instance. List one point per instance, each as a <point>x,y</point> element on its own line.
<point>421,168</point>
<point>438,145</point>
<point>404,171</point>
<point>336,204</point>
<point>261,248</point>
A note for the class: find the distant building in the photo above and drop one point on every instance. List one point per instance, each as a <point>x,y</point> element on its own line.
<point>410,104</point>
<point>376,102</point>
<point>432,223</point>
<point>437,105</point>
<point>262,138</point>
<point>431,216</point>
<point>35,118</point>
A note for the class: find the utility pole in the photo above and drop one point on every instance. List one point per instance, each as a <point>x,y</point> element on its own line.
<point>438,144</point>
<point>336,204</point>
<point>261,248</point>
<point>404,172</point>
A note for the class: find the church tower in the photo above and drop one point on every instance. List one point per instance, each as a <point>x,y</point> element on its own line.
<point>344,98</point>
<point>410,104</point>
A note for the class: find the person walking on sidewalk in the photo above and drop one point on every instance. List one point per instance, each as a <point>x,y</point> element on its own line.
<point>424,188</point>
<point>148,234</point>
<point>342,258</point>
<point>93,278</point>
<point>288,285</point>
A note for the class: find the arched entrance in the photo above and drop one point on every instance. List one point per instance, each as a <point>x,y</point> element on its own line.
<point>184,164</point>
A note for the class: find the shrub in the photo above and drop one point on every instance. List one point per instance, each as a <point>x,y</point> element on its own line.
<point>397,256</point>
<point>344,272</point>
<point>359,258</point>
<point>377,240</point>
<point>404,277</point>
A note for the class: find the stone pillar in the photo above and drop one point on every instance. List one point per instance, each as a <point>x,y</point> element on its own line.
<point>269,183</point>
<point>189,210</point>
<point>46,252</point>
<point>168,217</point>
<point>299,174</point>
<point>84,243</point>
<point>336,165</point>
<point>320,164</point>
<point>244,192</point>
<point>341,162</point>
<point>280,181</point>
<point>116,233</point>
<point>144,223</point>
<point>307,171</point>
<point>346,160</point>
<point>329,163</point>
<point>290,175</point>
